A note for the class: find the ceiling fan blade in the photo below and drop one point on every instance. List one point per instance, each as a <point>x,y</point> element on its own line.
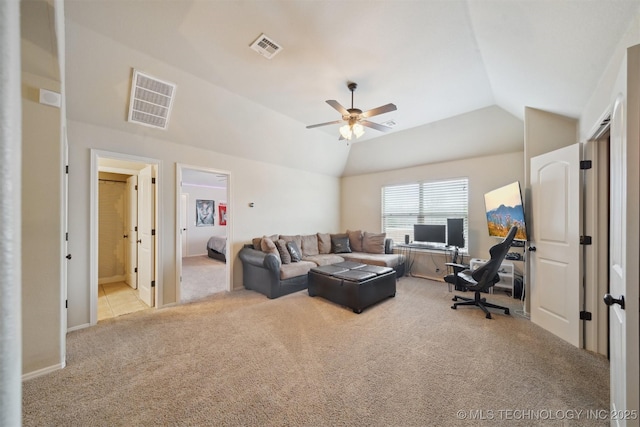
<point>376,126</point>
<point>335,104</point>
<point>324,124</point>
<point>379,110</point>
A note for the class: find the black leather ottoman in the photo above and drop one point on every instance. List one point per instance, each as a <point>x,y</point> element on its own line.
<point>354,285</point>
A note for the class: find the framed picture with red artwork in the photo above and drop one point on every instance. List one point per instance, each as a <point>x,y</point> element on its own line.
<point>222,213</point>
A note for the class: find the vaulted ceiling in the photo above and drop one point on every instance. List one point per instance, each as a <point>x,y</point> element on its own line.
<point>481,61</point>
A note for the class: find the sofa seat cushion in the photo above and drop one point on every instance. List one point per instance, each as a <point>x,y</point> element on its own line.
<point>383,260</point>
<point>295,269</point>
<point>324,259</point>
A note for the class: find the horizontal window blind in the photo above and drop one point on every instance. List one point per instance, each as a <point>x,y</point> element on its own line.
<point>423,203</point>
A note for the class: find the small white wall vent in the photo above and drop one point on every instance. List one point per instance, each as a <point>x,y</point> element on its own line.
<point>266,47</point>
<point>151,101</point>
<point>390,123</point>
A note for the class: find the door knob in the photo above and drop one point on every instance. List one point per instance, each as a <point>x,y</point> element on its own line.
<point>139,241</point>
<point>68,256</point>
<point>532,248</point>
<point>125,236</point>
<point>609,300</point>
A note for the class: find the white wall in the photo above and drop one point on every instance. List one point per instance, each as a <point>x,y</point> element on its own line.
<point>286,201</point>
<point>613,82</point>
<point>41,227</point>
<point>360,201</point>
<point>197,237</point>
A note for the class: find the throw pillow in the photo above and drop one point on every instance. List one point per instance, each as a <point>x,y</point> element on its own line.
<point>257,243</point>
<point>297,238</point>
<point>269,247</point>
<point>340,244</point>
<point>285,256</point>
<point>309,245</point>
<point>324,243</point>
<point>373,243</point>
<point>355,240</point>
<point>294,251</point>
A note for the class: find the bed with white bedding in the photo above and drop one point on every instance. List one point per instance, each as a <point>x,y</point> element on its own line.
<point>217,248</point>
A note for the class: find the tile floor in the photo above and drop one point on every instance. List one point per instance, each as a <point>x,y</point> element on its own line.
<point>116,299</point>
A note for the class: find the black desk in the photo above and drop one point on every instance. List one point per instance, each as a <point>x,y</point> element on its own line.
<point>409,250</point>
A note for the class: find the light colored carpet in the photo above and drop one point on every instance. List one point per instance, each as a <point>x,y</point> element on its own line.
<point>201,277</point>
<point>238,358</point>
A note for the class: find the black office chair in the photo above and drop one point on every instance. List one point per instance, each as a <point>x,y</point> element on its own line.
<point>484,277</point>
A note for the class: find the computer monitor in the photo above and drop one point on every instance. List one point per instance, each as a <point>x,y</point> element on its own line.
<point>455,232</point>
<point>429,233</point>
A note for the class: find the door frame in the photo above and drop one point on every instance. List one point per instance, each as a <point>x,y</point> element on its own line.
<point>229,259</point>
<point>96,156</point>
<point>596,225</point>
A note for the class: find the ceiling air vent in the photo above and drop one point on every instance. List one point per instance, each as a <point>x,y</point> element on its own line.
<point>266,47</point>
<point>390,123</point>
<point>151,100</point>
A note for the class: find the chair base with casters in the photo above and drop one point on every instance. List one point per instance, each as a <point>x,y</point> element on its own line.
<point>478,302</point>
<point>482,279</point>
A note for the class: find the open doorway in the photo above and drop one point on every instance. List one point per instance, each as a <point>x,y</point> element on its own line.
<point>204,221</point>
<point>123,238</point>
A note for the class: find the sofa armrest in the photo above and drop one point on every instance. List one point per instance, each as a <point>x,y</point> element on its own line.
<point>260,259</point>
<point>388,245</point>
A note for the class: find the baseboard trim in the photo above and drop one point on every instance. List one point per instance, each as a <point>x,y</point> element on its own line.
<point>75,328</point>
<point>44,371</point>
<point>112,279</point>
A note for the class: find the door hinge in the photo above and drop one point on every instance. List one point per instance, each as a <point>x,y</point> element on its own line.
<point>153,180</point>
<point>66,236</point>
<point>585,240</point>
<point>135,270</point>
<point>135,228</point>
<point>586,164</point>
<point>585,315</point>
<point>153,283</point>
<point>153,232</point>
<point>66,303</point>
<point>66,169</point>
<point>136,187</point>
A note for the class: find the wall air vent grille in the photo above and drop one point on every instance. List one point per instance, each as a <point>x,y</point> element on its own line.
<point>266,47</point>
<point>151,100</point>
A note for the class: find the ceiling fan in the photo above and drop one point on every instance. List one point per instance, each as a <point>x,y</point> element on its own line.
<point>355,118</point>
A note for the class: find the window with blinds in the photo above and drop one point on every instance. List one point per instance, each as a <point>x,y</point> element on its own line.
<point>424,203</point>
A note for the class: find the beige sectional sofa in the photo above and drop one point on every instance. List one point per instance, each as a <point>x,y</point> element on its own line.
<point>277,265</point>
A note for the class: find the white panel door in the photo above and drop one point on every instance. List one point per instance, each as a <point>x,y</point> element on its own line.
<point>556,294</point>
<point>146,249</point>
<point>130,233</point>
<point>617,267</point>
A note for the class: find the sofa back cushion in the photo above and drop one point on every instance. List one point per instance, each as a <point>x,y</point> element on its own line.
<point>309,245</point>
<point>324,243</point>
<point>285,256</point>
<point>355,240</point>
<point>373,243</point>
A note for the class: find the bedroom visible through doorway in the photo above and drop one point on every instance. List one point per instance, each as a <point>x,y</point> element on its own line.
<point>203,232</point>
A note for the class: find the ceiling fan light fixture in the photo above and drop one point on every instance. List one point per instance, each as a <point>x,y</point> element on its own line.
<point>345,131</point>
<point>358,130</point>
